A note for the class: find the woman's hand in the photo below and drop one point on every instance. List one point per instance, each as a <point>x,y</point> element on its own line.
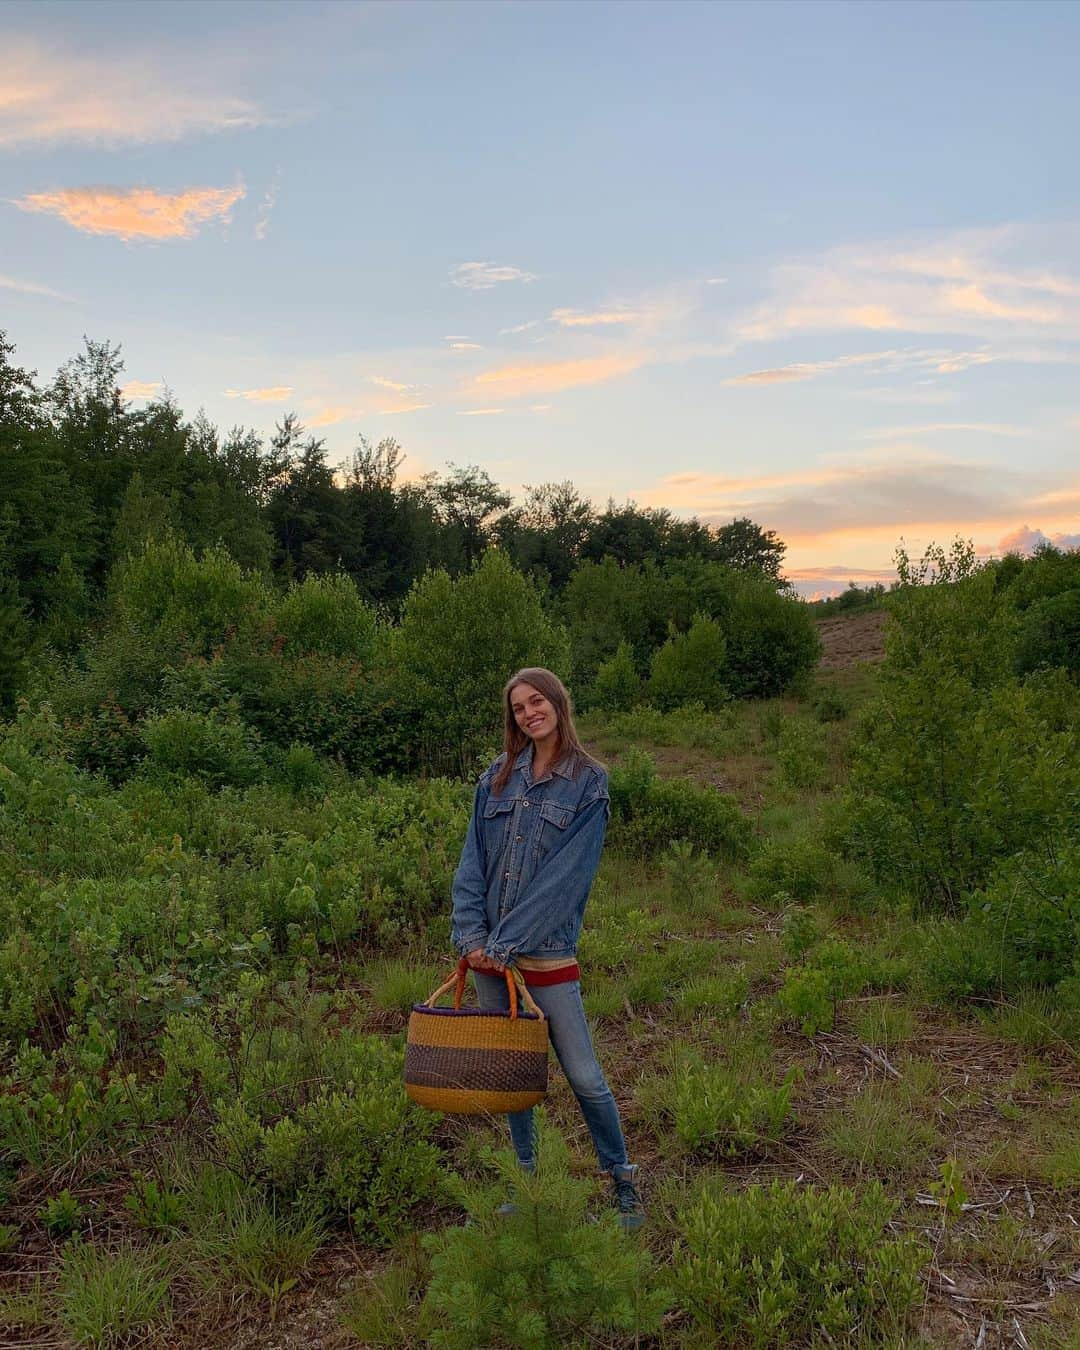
<point>478,960</point>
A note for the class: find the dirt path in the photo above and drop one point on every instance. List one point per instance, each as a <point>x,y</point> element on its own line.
<point>849,641</point>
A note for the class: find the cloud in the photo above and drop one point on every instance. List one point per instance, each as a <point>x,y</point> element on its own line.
<point>407,407</point>
<point>465,347</point>
<point>807,370</point>
<point>520,327</point>
<point>50,97</point>
<point>574,318</point>
<point>716,281</point>
<point>881,496</point>
<point>482,276</point>
<point>275,394</point>
<point>136,213</point>
<point>1026,540</point>
<point>548,377</point>
<point>974,281</point>
<point>395,385</point>
<point>932,428</point>
<point>540,407</point>
<point>140,389</point>
<point>928,360</point>
<point>481,412</point>
<point>32,288</point>
<point>269,201</point>
<point>328,417</point>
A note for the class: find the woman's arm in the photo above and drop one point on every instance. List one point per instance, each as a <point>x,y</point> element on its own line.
<point>470,925</point>
<point>557,889</point>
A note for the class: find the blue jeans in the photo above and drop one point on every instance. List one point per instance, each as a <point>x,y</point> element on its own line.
<point>569,1032</point>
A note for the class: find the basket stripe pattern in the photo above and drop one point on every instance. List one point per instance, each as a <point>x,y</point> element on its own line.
<point>472,1062</point>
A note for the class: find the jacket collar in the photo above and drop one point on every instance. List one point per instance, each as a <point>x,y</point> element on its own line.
<point>524,763</point>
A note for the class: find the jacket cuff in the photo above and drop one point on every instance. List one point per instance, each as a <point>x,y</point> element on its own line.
<point>465,945</point>
<point>503,955</point>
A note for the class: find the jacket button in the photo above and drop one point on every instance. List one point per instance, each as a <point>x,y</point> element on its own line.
<point>506,876</point>
<point>524,803</point>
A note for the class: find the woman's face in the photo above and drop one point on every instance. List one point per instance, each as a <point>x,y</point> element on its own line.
<point>533,713</point>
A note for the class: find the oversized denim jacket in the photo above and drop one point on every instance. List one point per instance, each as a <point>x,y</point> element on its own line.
<point>529,860</point>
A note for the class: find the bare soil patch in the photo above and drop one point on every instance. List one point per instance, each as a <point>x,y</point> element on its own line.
<point>851,641</point>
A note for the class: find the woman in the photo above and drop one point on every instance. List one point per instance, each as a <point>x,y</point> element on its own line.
<point>528,864</point>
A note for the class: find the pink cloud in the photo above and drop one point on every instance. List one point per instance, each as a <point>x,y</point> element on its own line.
<point>136,213</point>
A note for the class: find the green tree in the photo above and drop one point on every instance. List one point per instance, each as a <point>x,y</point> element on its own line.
<point>458,642</point>
<point>746,546</point>
<point>689,667</point>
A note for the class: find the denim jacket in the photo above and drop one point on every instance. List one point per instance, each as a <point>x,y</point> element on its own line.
<point>529,860</point>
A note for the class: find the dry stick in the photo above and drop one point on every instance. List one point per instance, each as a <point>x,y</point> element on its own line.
<point>877,1058</point>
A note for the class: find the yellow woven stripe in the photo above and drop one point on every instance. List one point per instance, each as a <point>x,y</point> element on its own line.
<point>461,1102</point>
<point>485,1033</point>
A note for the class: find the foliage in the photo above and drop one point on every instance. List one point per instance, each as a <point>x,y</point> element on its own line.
<point>320,1121</point>
<point>544,1276</point>
<point>617,686</point>
<point>958,763</point>
<point>649,812</point>
<point>789,1264</point>
<point>715,1108</point>
<point>689,667</point>
<point>459,641</point>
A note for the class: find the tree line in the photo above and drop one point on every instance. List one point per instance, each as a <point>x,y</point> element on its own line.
<point>86,479</point>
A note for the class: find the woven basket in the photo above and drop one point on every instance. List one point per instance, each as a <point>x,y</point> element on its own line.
<point>468,1061</point>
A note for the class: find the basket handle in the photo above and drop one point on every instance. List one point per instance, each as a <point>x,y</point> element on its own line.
<point>514,982</point>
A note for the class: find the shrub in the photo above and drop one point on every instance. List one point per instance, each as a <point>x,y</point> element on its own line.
<point>1031,913</point>
<point>325,613</point>
<point>543,1276</point>
<point>319,1120</point>
<point>772,639</point>
<point>648,813</point>
<point>617,687</point>
<point>800,752</point>
<point>689,667</point>
<point>715,1108</point>
<point>1049,635</point>
<point>791,1264</point>
<point>215,747</point>
<point>458,642</point>
<point>812,992</point>
<point>800,868</point>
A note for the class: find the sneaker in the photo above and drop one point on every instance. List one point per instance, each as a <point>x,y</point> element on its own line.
<point>626,1197</point>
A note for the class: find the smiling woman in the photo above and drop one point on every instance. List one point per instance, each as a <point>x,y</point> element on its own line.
<point>519,895</point>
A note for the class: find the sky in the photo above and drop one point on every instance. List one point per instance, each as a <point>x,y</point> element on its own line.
<point>814,263</point>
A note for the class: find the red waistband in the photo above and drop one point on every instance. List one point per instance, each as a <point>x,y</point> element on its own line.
<point>537,978</point>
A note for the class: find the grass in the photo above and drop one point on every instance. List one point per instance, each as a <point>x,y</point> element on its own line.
<point>878,1133</point>
<point>106,1297</point>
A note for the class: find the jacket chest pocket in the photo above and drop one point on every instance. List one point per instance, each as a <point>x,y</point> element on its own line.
<point>498,815</point>
<point>553,822</point>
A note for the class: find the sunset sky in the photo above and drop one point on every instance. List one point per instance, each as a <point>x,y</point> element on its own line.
<point>818,264</point>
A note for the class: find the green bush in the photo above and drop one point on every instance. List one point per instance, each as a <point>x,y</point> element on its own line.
<point>1049,634</point>
<point>715,1108</point>
<point>458,642</point>
<point>794,1265</point>
<point>689,667</point>
<point>616,687</point>
<point>326,614</point>
<point>800,867</point>
<point>800,753</point>
<point>542,1277</point>
<point>648,813</point>
<point>811,993</point>
<point>214,747</point>
<point>321,1121</point>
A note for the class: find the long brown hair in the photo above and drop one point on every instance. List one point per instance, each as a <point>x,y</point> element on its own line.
<point>515,740</point>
